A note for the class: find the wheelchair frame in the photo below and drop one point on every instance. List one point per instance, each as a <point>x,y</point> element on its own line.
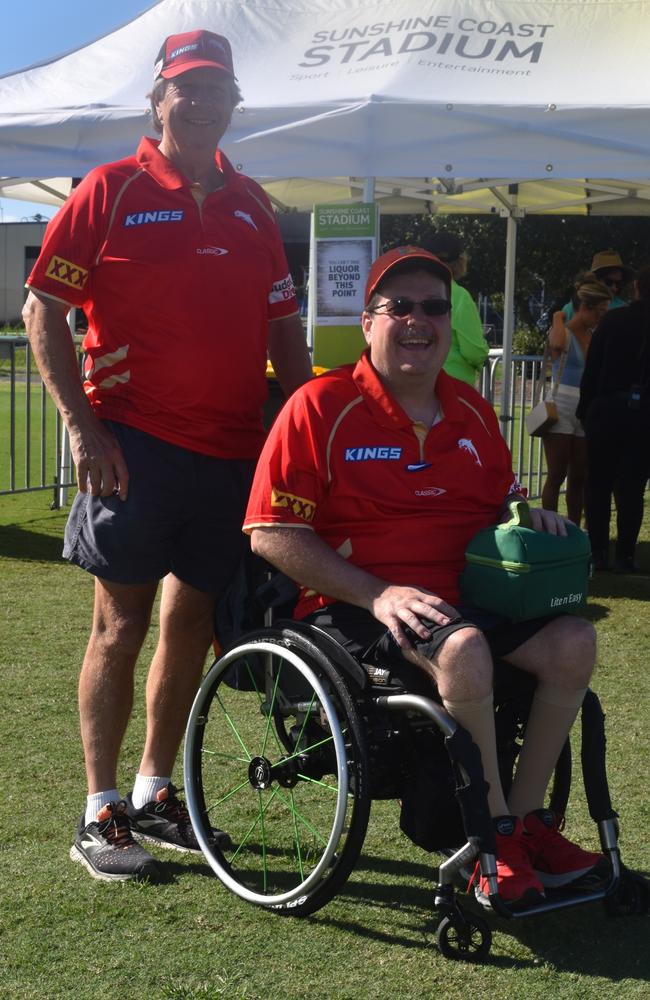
<point>317,733</point>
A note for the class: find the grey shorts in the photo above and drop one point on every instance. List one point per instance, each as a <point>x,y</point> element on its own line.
<point>370,642</point>
<point>183,515</point>
<point>566,400</point>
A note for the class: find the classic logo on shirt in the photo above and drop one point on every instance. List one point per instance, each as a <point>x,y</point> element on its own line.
<point>379,453</point>
<point>466,445</point>
<point>158,215</point>
<point>215,251</point>
<point>433,491</point>
<point>281,290</point>
<point>299,506</point>
<point>66,272</point>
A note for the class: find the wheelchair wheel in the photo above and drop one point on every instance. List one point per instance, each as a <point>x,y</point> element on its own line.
<point>466,938</point>
<point>282,767</point>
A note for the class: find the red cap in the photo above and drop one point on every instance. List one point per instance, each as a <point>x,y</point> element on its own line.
<point>381,267</point>
<point>191,50</point>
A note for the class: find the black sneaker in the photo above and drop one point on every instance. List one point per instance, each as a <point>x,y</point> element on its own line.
<point>166,822</point>
<point>109,852</point>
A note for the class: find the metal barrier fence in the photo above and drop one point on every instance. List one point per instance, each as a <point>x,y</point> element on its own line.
<point>527,453</point>
<point>35,455</point>
<point>32,435</point>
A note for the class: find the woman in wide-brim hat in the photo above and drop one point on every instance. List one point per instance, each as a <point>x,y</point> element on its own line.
<point>564,444</point>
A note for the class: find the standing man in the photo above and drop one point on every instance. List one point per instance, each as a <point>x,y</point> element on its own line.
<point>373,480</point>
<point>469,348</point>
<point>178,263</point>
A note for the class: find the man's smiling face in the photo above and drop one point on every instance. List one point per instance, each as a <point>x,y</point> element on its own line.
<point>196,108</point>
<point>415,345</point>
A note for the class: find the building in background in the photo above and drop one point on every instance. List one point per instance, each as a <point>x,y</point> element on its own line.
<point>20,244</point>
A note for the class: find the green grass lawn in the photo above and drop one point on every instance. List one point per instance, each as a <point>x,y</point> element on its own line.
<point>64,935</point>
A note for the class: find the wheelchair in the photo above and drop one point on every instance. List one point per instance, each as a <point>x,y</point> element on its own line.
<point>290,739</point>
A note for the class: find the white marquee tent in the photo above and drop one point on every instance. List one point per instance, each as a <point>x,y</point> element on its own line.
<point>464,106</point>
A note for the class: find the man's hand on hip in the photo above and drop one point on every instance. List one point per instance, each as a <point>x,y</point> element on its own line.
<point>101,469</point>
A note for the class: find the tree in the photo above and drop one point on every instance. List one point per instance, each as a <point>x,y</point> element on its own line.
<point>551,249</point>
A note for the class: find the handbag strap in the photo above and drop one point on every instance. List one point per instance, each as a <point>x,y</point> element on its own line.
<point>538,387</point>
<point>560,368</point>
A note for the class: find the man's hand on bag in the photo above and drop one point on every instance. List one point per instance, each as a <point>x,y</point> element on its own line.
<point>549,521</point>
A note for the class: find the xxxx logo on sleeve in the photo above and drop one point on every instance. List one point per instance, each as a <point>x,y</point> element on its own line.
<point>299,506</point>
<point>66,272</point>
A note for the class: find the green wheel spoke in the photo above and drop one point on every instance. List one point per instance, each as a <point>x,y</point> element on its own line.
<point>306,718</point>
<point>269,718</point>
<point>254,682</point>
<point>296,839</point>
<point>228,795</point>
<point>265,871</point>
<point>323,784</point>
<point>261,701</point>
<point>225,756</point>
<point>303,750</point>
<point>234,729</point>
<point>252,827</point>
<point>298,815</point>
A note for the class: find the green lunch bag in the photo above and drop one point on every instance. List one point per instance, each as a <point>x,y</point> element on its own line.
<point>514,571</point>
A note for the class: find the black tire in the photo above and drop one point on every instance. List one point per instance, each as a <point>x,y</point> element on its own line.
<point>632,897</point>
<point>466,939</point>
<point>283,768</point>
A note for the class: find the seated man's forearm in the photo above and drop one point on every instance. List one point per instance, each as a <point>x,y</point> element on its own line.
<point>312,563</point>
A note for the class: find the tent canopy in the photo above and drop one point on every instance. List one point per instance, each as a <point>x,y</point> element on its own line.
<point>353,88</point>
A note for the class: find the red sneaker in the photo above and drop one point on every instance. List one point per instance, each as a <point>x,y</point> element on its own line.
<point>517,883</point>
<point>556,860</point>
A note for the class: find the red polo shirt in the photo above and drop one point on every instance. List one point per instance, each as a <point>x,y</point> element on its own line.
<point>178,297</point>
<point>399,500</point>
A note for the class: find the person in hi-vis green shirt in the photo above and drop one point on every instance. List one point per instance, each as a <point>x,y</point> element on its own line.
<point>469,348</point>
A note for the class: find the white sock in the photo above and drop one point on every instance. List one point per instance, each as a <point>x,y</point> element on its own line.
<point>145,789</point>
<point>97,801</point>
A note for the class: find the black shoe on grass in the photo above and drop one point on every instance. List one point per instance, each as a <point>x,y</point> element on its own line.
<point>166,822</point>
<point>108,851</point>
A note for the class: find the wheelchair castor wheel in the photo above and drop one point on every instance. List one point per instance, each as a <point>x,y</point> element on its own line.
<point>632,897</point>
<point>464,938</point>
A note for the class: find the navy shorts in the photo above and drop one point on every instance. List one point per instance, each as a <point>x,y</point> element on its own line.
<point>183,515</point>
<point>371,643</point>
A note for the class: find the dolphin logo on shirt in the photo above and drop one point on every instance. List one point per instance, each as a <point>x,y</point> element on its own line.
<point>239,214</point>
<point>465,444</point>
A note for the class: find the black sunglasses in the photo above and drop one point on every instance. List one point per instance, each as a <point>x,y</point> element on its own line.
<point>402,306</point>
<point>610,282</point>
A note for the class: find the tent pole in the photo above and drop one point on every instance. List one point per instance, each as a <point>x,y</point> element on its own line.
<point>508,325</point>
<point>65,468</point>
<point>369,189</point>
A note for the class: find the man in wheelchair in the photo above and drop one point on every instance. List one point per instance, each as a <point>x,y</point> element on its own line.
<point>373,480</point>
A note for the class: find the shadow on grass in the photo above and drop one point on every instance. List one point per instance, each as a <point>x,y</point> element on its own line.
<point>30,545</point>
<point>570,940</point>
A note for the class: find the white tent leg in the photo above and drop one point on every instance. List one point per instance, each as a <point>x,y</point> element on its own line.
<point>369,189</point>
<point>508,324</point>
<point>65,468</point>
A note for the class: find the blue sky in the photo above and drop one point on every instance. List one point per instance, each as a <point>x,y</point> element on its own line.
<point>38,30</point>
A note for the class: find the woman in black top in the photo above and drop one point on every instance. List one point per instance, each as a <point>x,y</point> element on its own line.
<point>614,408</point>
